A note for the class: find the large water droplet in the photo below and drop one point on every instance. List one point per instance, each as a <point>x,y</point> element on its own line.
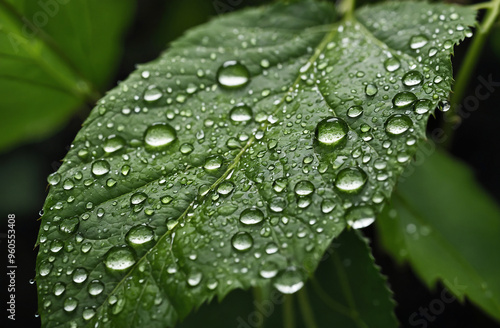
<point>225,188</point>
<point>242,241</point>
<point>412,78</point>
<point>119,258</point>
<point>100,167</point>
<point>113,143</point>
<point>159,135</point>
<point>213,163</point>
<point>418,41</point>
<point>422,106</point>
<point>360,217</point>
<point>444,106</point>
<point>398,124</point>
<point>355,111</point>
<point>251,216</point>
<point>404,99</point>
<point>194,278</point>
<point>350,180</point>
<point>304,188</point>
<point>392,64</point>
<point>279,184</point>
<point>268,270</point>
<point>371,90</point>
<point>80,275</point>
<point>241,113</point>
<point>139,235</point>
<point>69,225</point>
<point>95,287</point>
<point>54,178</point>
<point>331,131</point>
<point>59,288</point>
<point>289,281</point>
<point>152,94</point>
<point>232,75</point>
<point>70,304</point>
<point>277,204</point>
<point>138,198</point>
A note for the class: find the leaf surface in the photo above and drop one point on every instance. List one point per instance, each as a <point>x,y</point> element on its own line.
<point>235,158</point>
<point>448,232</point>
<point>54,56</point>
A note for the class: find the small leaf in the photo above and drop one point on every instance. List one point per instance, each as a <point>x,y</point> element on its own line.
<point>235,158</point>
<point>448,232</point>
<point>350,290</point>
<point>54,56</point>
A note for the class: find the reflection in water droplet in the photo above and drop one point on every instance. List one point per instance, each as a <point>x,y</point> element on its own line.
<point>251,216</point>
<point>350,180</point>
<point>398,124</point>
<point>242,241</point>
<point>403,99</point>
<point>54,178</point>
<point>412,78</point>
<point>159,135</point>
<point>241,113</point>
<point>392,64</point>
<point>331,131</point>
<point>289,281</point>
<point>119,258</point>
<point>418,41</point>
<point>139,235</point>
<point>360,217</point>
<point>100,167</point>
<point>232,75</point>
<point>444,106</point>
<point>304,188</point>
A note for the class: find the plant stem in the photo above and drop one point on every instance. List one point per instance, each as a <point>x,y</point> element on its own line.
<point>306,310</point>
<point>469,64</point>
<point>347,7</point>
<point>288,314</point>
<point>258,297</point>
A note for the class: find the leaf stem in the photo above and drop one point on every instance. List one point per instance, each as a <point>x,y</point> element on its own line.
<point>305,309</point>
<point>347,7</point>
<point>258,297</point>
<point>288,314</point>
<point>469,64</point>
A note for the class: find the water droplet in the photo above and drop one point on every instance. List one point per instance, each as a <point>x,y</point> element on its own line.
<point>100,167</point>
<point>113,143</point>
<point>232,75</point>
<point>268,270</point>
<point>360,217</point>
<point>213,163</point>
<point>59,288</point>
<point>68,184</point>
<point>119,258</point>
<point>422,106</point>
<point>331,131</point>
<point>54,178</point>
<point>418,41</point>
<point>412,78</point>
<point>241,113</point>
<point>152,94</point>
<point>392,64</point>
<point>371,90</point>
<point>289,281</point>
<point>403,99</point>
<point>194,279</point>
<point>355,111</point>
<point>242,241</point>
<point>398,124</point>
<point>251,216</point>
<point>80,275</point>
<point>277,204</point>
<point>304,188</point>
<point>138,198</point>
<point>88,314</point>
<point>159,135</point>
<point>69,225</point>
<point>139,235</point>
<point>186,148</point>
<point>45,268</point>
<point>279,184</point>
<point>225,188</point>
<point>70,304</point>
<point>351,180</point>
<point>444,106</point>
<point>95,287</point>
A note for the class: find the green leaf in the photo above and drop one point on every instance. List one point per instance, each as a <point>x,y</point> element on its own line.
<point>349,290</point>
<point>55,55</point>
<point>448,232</point>
<point>201,173</point>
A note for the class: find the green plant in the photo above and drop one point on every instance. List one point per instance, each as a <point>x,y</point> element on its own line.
<point>236,158</point>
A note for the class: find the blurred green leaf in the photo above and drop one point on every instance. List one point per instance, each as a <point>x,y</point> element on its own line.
<point>349,290</point>
<point>55,55</point>
<point>448,228</point>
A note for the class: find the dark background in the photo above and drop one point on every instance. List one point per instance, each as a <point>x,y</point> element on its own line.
<point>23,171</point>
